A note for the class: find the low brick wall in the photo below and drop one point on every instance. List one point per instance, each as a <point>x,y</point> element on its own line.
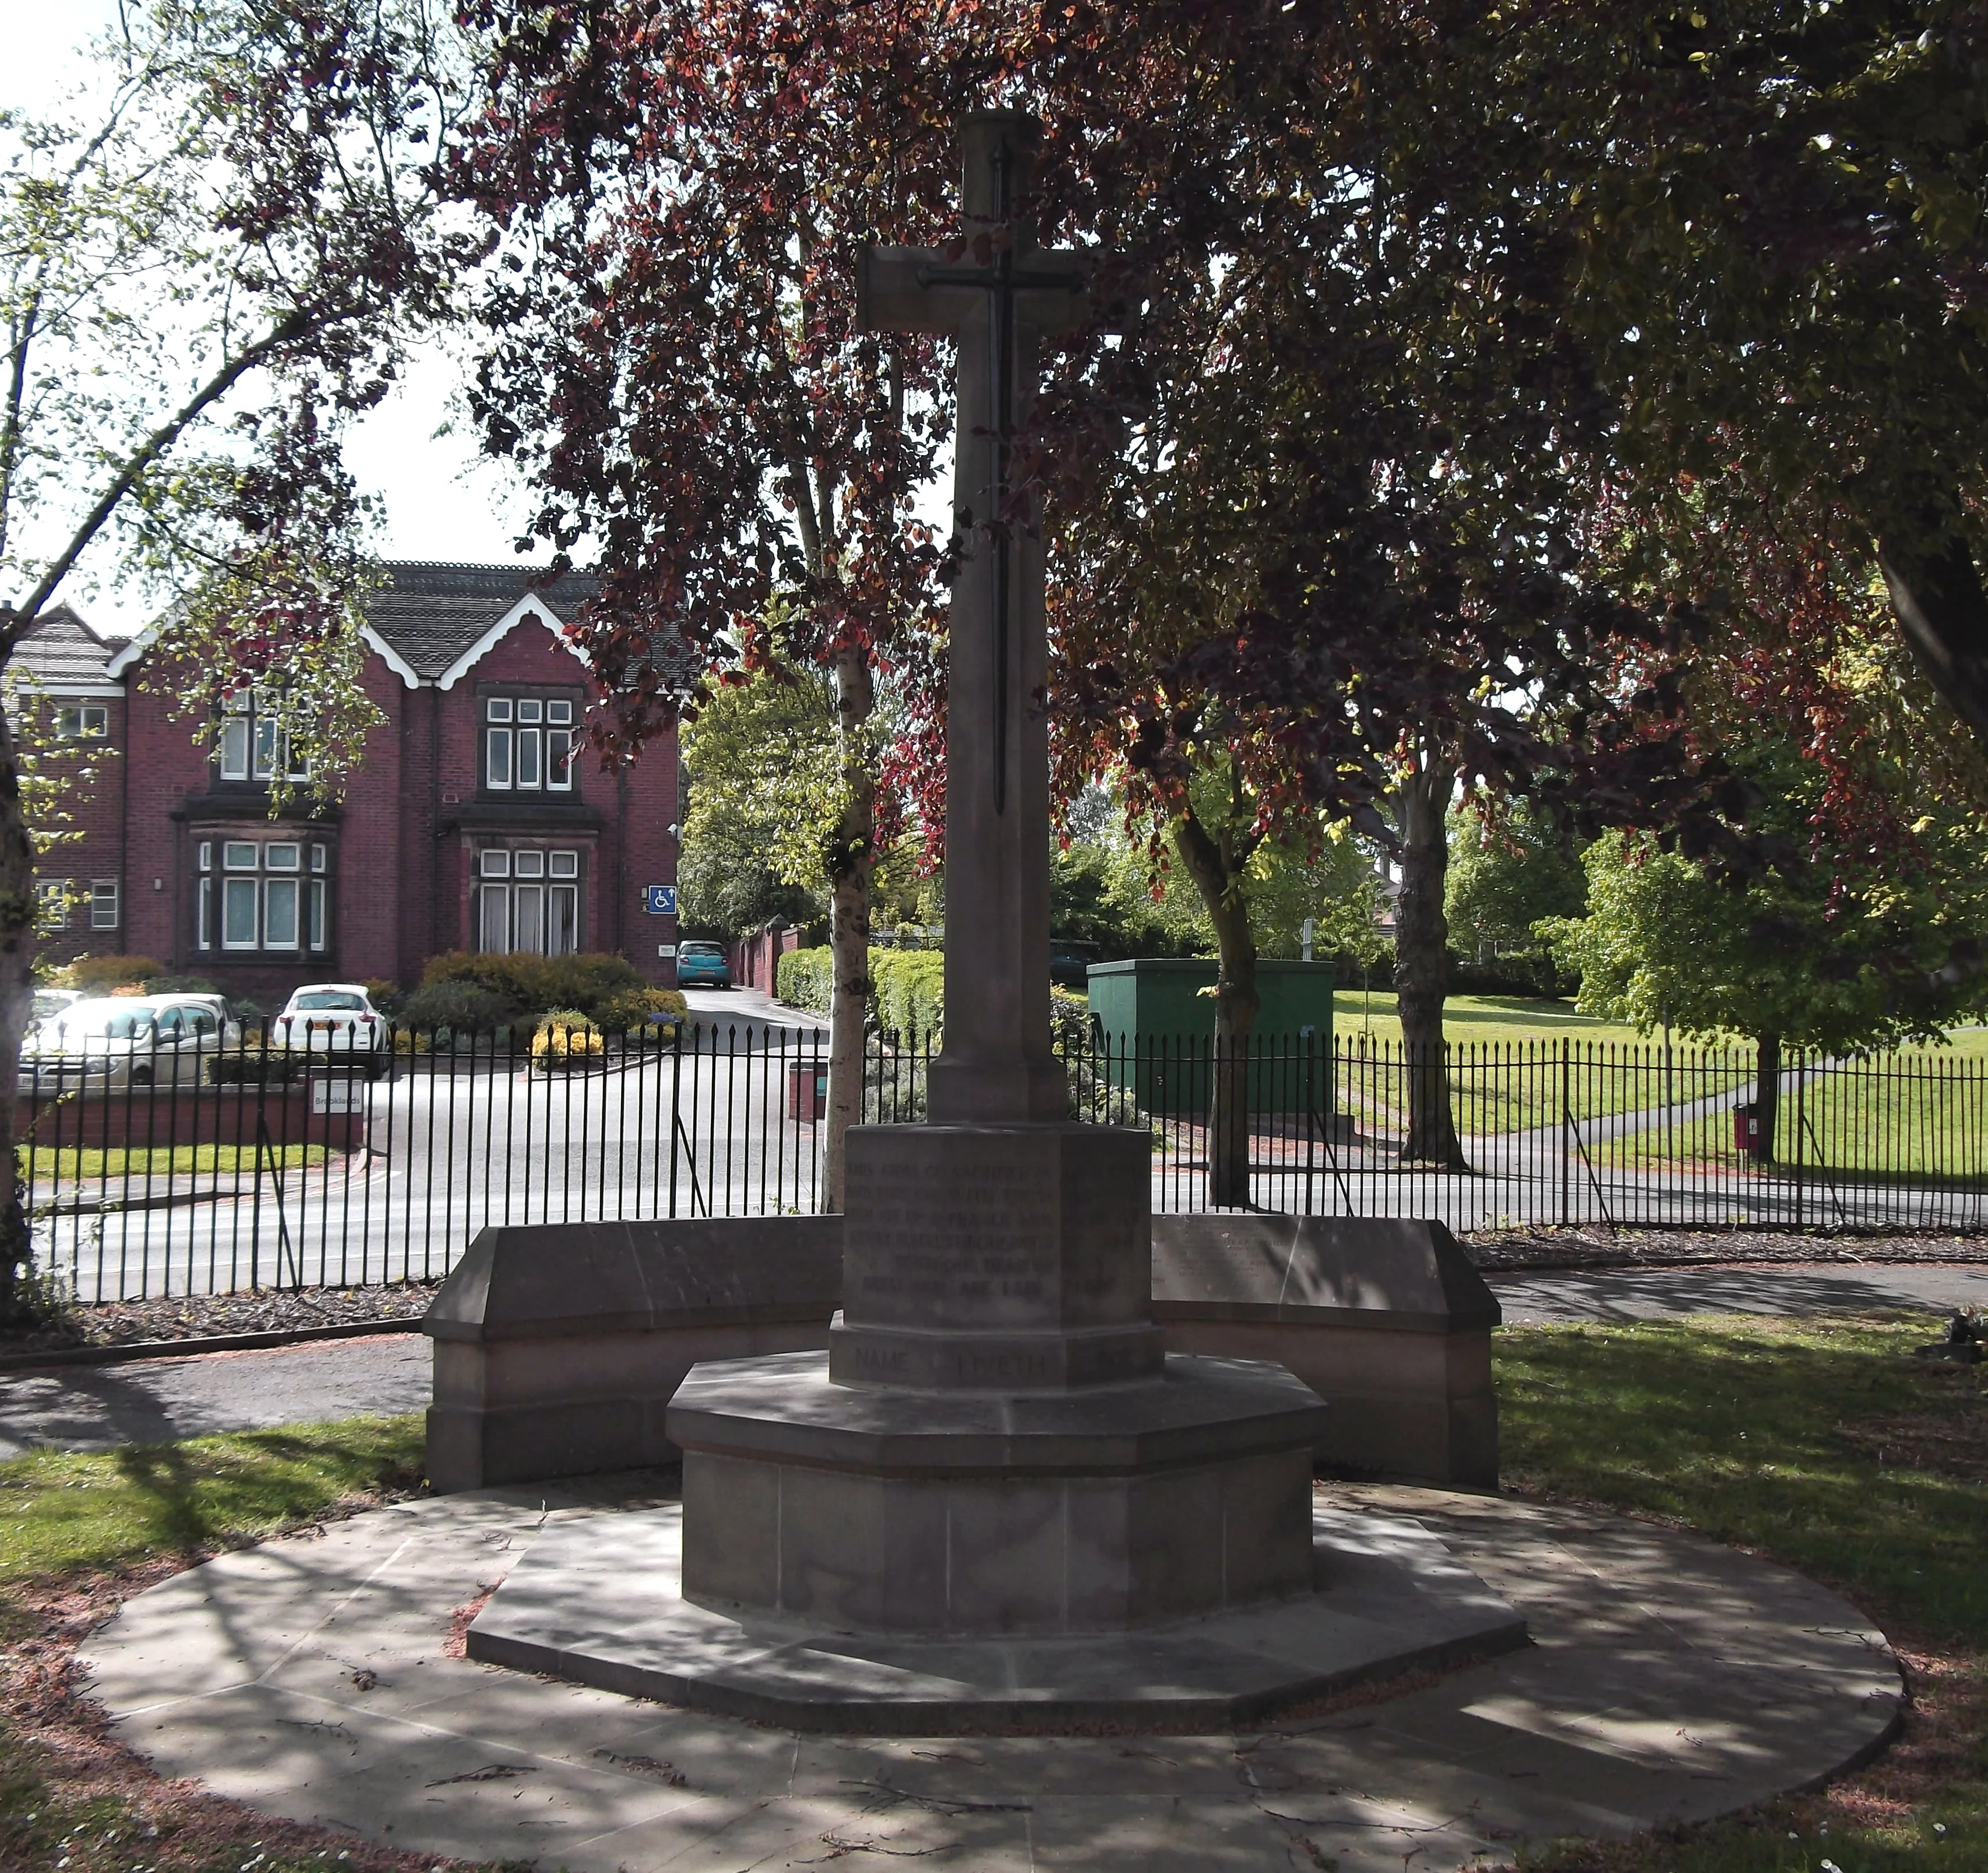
<point>157,1118</point>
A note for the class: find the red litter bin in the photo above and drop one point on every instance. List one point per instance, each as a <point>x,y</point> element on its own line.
<point>1747,1129</point>
<point>807,1089</point>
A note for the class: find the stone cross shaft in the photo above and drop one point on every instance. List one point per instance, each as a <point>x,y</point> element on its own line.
<point>997,295</point>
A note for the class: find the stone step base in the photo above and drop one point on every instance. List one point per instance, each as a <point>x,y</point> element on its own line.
<point>599,1602</point>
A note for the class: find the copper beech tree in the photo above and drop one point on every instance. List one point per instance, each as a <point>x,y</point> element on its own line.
<point>1420,321</point>
<point>683,190</point>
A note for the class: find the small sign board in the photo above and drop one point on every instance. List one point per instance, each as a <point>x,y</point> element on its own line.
<point>660,899</point>
<point>347,1093</point>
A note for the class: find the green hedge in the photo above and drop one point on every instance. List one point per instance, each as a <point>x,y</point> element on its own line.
<point>805,978</point>
<point>907,986</point>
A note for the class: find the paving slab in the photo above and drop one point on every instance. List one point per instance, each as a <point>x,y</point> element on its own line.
<point>1670,1680</point>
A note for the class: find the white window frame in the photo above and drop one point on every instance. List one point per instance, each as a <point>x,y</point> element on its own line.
<point>319,927</point>
<point>91,721</point>
<point>105,903</point>
<point>231,887</point>
<point>495,739</point>
<point>526,901</point>
<point>51,902</point>
<point>282,891</point>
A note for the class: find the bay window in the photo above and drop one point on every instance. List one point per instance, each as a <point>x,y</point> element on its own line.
<point>527,899</point>
<point>259,900</point>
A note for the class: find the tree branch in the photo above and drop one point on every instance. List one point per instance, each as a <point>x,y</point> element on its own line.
<point>290,327</point>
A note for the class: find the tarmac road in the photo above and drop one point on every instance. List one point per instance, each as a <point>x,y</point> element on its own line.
<point>150,1401</point>
<point>103,1408</point>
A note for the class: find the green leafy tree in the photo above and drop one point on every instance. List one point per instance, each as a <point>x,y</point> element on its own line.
<point>208,263</point>
<point>1838,950</point>
<point>1509,869</point>
<point>764,782</point>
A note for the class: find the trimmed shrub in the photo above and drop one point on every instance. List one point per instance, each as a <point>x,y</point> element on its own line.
<point>462,1007</point>
<point>183,985</point>
<point>381,993</point>
<point>98,975</point>
<point>535,984</point>
<point>806,979</point>
<point>907,987</point>
<point>565,1038</point>
<point>643,1017</point>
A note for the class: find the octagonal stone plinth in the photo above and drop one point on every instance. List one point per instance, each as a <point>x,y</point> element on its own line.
<point>1098,1512</point>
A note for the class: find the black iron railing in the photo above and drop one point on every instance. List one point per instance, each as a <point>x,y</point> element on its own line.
<point>247,1163</point>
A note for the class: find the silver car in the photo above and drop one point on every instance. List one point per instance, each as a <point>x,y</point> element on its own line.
<point>104,1043</point>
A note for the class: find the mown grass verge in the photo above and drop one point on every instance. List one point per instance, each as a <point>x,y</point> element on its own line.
<point>1823,1445</point>
<point>80,1533</point>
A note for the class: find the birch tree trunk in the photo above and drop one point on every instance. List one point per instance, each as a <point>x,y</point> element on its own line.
<point>1421,962</point>
<point>1215,874</point>
<point>851,862</point>
<point>17,989</point>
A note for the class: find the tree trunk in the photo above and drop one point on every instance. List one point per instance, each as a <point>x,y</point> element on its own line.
<point>1936,592</point>
<point>1236,1003</point>
<point>17,991</point>
<point>1767,1097</point>
<point>1422,963</point>
<point>850,864</point>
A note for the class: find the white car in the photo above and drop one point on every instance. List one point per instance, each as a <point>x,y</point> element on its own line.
<point>334,1018</point>
<point>104,1043</point>
<point>52,1001</point>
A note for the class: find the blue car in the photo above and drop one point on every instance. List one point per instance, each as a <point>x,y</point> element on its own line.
<point>702,965</point>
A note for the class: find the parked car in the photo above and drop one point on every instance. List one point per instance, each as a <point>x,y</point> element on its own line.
<point>334,1018</point>
<point>104,1043</point>
<point>702,965</point>
<point>1071,961</point>
<point>52,1001</point>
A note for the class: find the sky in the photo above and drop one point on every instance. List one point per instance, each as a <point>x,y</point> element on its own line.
<point>441,499</point>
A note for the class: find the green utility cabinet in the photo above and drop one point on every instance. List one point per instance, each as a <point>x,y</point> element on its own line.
<point>1155,1027</point>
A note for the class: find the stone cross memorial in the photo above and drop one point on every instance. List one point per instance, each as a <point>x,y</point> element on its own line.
<point>998,1501</point>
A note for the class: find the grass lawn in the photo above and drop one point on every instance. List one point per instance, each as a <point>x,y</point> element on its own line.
<point>71,1163</point>
<point>1921,1112</point>
<point>1824,1446</point>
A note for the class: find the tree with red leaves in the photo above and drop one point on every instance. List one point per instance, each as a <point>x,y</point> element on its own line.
<point>675,365</point>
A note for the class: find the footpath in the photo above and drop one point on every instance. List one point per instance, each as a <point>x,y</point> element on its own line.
<point>88,1407</point>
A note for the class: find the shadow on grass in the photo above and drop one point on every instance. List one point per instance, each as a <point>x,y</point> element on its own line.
<point>1769,1436</point>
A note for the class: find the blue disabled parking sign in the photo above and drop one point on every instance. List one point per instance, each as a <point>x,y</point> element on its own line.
<point>662,900</point>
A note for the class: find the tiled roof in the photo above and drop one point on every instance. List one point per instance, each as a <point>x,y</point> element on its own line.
<point>59,648</point>
<point>431,614</point>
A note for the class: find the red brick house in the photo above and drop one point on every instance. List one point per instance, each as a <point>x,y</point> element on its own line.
<point>479,818</point>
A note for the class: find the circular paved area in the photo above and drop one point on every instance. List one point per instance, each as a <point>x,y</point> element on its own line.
<point>1669,1680</point>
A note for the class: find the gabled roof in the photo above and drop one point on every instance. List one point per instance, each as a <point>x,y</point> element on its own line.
<point>429,623</point>
<point>61,653</point>
<point>433,616</point>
